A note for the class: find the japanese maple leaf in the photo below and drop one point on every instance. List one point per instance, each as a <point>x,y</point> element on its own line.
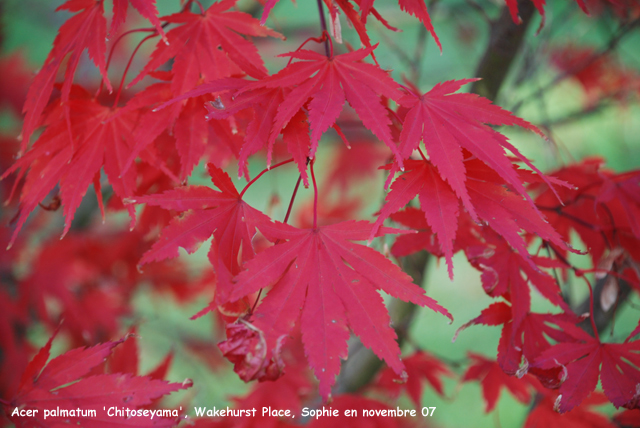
<point>503,210</point>
<point>506,272</point>
<point>425,239</point>
<point>544,414</point>
<point>206,212</point>
<point>614,363</point>
<point>126,359</point>
<point>602,208</point>
<point>103,137</point>
<point>146,8</point>
<point>521,346</point>
<point>417,8</point>
<point>324,83</point>
<point>184,120</point>
<point>623,189</point>
<point>420,366</point>
<point>85,30</point>
<point>65,382</point>
<point>261,106</point>
<point>447,123</point>
<point>493,379</point>
<point>329,282</point>
<point>195,46</point>
<point>539,5</point>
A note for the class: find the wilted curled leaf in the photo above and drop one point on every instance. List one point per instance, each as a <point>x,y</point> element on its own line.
<point>246,348</point>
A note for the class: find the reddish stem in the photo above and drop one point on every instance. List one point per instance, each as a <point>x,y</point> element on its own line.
<point>593,322</point>
<point>115,43</point>
<point>422,154</point>
<point>314,39</point>
<point>286,218</point>
<point>323,24</point>
<point>126,70</point>
<point>200,6</point>
<point>293,198</point>
<point>315,196</point>
<point>253,307</point>
<point>263,172</point>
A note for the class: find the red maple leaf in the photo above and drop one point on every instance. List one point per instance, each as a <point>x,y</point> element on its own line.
<point>507,273</point>
<point>146,8</point>
<point>330,282</point>
<point>207,212</point>
<point>325,83</point>
<point>420,366</point>
<point>521,346</point>
<point>447,123</point>
<point>66,383</point>
<point>493,379</point>
<point>585,360</point>
<point>85,30</point>
<point>195,44</point>
<point>505,211</point>
<point>102,137</point>
<point>417,8</point>
<point>545,414</point>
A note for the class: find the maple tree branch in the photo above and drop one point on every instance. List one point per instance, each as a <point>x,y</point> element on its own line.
<point>505,41</point>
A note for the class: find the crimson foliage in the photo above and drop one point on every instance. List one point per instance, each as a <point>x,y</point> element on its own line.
<point>290,298</point>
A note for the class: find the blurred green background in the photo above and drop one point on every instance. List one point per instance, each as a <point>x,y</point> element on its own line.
<point>29,26</point>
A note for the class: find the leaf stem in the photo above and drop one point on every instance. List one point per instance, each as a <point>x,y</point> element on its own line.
<point>315,196</point>
<point>323,24</point>
<point>293,198</point>
<point>126,70</point>
<point>200,6</point>
<point>591,314</point>
<point>286,218</point>
<point>115,43</point>
<point>262,173</point>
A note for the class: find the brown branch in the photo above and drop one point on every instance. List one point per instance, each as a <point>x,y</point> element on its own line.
<point>601,317</point>
<point>505,42</point>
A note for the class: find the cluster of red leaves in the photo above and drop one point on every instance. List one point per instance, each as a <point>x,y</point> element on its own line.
<point>320,283</point>
<point>602,210</point>
<point>77,381</point>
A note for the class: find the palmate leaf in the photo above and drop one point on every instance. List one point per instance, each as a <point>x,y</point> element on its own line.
<point>505,211</point>
<point>587,359</point>
<point>103,138</point>
<point>195,44</point>
<point>330,283</point>
<point>86,30</point>
<point>325,83</point>
<point>70,382</point>
<point>206,212</point>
